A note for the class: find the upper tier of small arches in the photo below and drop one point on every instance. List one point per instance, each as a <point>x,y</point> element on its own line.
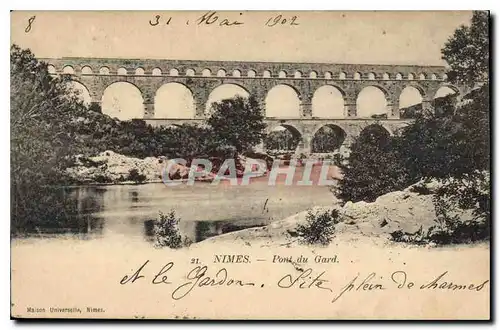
<point>249,73</point>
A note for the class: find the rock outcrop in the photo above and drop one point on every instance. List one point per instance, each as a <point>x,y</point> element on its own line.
<point>111,167</point>
<point>404,211</point>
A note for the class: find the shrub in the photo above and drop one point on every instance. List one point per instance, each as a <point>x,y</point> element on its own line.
<point>373,168</point>
<point>134,175</point>
<point>102,179</point>
<point>166,232</point>
<point>319,227</point>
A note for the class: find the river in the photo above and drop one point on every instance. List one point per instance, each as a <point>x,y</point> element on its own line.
<point>126,212</point>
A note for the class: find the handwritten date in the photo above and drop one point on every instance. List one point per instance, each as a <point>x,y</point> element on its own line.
<point>214,18</point>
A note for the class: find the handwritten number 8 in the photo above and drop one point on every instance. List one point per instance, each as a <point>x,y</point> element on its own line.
<point>30,21</point>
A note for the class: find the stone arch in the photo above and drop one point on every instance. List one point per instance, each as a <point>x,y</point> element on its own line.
<point>121,71</point>
<point>328,102</point>
<point>86,70</point>
<point>375,132</point>
<point>79,90</point>
<point>221,73</point>
<point>313,75</point>
<point>283,138</point>
<point>236,73</point>
<point>327,138</point>
<point>266,74</point>
<point>418,86</point>
<point>123,100</point>
<point>386,76</point>
<point>190,72</point>
<point>157,72</point>
<point>410,101</point>
<point>371,101</point>
<point>139,72</point>
<point>174,100</point>
<point>68,69</point>
<point>223,92</point>
<point>282,101</point>
<point>433,76</point>
<point>328,75</point>
<point>173,72</point>
<point>51,69</point>
<point>411,76</point>
<point>297,74</point>
<point>206,72</point>
<point>282,74</point>
<point>342,75</point>
<point>251,73</point>
<point>357,76</point>
<point>371,76</point>
<point>104,70</point>
<point>422,76</point>
<point>446,89</point>
<point>399,76</point>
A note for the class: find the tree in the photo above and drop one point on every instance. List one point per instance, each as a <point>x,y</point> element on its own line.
<point>454,144</point>
<point>373,167</point>
<point>237,122</point>
<point>467,51</point>
<point>42,142</point>
<point>41,108</point>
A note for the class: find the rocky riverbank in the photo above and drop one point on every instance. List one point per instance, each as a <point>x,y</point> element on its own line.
<point>110,167</point>
<point>405,211</point>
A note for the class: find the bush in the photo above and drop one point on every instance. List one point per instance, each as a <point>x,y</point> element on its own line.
<point>134,175</point>
<point>166,232</point>
<point>373,168</point>
<point>319,227</point>
<point>102,179</point>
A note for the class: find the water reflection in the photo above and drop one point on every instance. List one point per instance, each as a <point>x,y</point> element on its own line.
<point>203,229</point>
<point>67,211</point>
<point>127,212</point>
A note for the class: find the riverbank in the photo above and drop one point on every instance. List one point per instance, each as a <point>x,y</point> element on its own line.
<point>406,212</point>
<point>110,167</point>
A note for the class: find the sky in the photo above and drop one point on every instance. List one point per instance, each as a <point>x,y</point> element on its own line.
<point>331,37</point>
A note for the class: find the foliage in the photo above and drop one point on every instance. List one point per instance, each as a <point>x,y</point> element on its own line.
<point>449,146</point>
<point>41,146</point>
<point>237,122</point>
<point>41,108</point>
<point>327,139</point>
<point>282,140</point>
<point>134,175</point>
<point>467,51</point>
<point>319,227</point>
<point>166,232</point>
<point>373,167</point>
<point>452,145</point>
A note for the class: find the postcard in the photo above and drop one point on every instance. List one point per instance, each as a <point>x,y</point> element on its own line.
<point>250,165</point>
